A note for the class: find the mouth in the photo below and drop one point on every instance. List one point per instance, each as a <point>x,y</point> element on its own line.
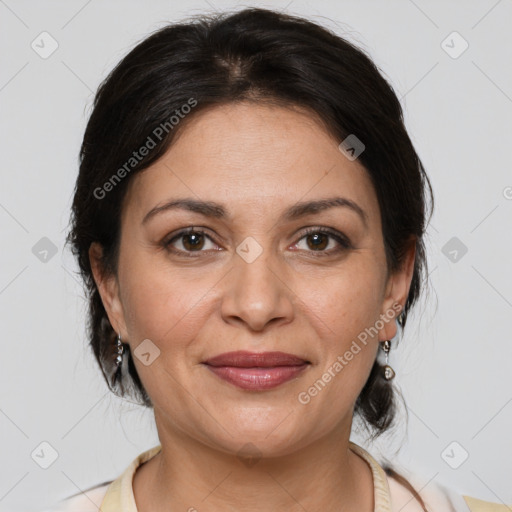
<point>256,371</point>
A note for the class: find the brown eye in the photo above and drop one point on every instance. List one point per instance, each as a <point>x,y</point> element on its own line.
<point>318,240</point>
<point>191,240</point>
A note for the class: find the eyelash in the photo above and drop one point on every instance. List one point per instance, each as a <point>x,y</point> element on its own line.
<point>341,239</point>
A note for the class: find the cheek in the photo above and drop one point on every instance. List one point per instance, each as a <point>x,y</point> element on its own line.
<point>343,308</point>
<point>162,305</point>
<point>343,303</point>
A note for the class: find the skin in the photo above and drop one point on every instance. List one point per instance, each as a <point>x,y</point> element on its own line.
<point>256,160</point>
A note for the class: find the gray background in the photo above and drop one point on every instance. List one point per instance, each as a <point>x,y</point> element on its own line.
<point>453,364</point>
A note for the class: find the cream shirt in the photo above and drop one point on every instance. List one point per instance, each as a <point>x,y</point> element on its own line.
<point>389,495</point>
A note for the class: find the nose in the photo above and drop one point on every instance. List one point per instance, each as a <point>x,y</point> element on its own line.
<point>257,294</point>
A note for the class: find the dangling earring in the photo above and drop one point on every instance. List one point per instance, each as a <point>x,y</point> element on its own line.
<point>388,372</point>
<point>120,350</point>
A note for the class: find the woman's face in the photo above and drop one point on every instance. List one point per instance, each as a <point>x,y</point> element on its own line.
<point>255,280</point>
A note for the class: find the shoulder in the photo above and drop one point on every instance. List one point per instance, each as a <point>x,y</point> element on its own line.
<point>437,497</point>
<point>111,493</point>
<point>86,501</point>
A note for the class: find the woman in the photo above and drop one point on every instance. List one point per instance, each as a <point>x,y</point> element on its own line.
<point>249,219</point>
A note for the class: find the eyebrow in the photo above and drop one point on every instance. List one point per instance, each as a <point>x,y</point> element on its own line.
<point>218,211</point>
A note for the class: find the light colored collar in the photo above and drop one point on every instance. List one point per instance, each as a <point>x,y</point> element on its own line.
<point>119,495</point>
<point>381,493</point>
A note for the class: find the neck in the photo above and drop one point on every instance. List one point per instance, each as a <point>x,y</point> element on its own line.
<point>190,475</point>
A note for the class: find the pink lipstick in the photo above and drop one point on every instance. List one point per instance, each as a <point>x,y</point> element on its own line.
<point>256,371</point>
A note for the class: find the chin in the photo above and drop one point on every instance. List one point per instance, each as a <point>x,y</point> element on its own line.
<point>274,437</point>
<point>253,447</point>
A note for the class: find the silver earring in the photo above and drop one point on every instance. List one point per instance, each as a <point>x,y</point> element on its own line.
<point>389,373</point>
<point>120,350</point>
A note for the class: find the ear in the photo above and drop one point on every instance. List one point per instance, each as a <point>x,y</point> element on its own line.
<point>108,288</point>
<point>397,290</point>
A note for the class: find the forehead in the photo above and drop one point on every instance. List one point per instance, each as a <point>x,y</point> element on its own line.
<point>253,155</point>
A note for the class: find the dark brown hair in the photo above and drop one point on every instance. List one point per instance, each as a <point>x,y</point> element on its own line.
<point>252,55</point>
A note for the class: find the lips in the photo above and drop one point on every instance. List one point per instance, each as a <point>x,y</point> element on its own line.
<point>244,359</point>
<point>256,371</point>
